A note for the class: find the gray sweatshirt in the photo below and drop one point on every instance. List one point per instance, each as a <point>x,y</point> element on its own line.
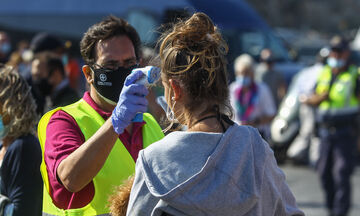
<point>197,173</point>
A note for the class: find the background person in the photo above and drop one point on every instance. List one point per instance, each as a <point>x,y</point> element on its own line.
<point>20,57</point>
<point>252,101</point>
<point>49,77</point>
<point>216,167</point>
<point>44,41</point>
<point>91,145</point>
<point>49,43</point>
<point>5,47</point>
<point>266,73</point>
<point>336,97</point>
<point>20,153</point>
<point>304,148</point>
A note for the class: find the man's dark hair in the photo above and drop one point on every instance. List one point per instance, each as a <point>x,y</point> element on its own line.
<point>107,28</point>
<point>52,62</point>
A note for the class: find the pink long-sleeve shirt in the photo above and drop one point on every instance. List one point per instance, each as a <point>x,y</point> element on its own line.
<point>63,136</point>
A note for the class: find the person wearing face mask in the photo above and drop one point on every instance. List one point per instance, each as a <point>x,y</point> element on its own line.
<point>252,101</point>
<point>266,73</point>
<point>91,146</point>
<point>215,167</point>
<point>20,153</point>
<point>48,76</point>
<point>41,42</point>
<point>336,97</point>
<point>5,47</point>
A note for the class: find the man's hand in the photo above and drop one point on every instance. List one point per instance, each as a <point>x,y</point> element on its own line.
<point>131,101</point>
<point>81,166</point>
<point>324,96</point>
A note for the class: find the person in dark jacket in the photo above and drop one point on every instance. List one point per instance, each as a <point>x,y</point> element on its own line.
<point>48,76</point>
<point>20,153</point>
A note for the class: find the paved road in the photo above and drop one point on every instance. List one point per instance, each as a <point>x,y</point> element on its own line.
<point>305,185</point>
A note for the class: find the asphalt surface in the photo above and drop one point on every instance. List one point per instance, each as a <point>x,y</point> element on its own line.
<point>304,183</point>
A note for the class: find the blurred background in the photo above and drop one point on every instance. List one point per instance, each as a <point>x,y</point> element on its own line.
<point>302,26</point>
<point>294,30</point>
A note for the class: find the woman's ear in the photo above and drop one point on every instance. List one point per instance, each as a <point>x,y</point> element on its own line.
<point>175,86</point>
<point>88,74</point>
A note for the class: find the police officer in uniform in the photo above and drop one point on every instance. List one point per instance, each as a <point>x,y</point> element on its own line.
<point>336,97</point>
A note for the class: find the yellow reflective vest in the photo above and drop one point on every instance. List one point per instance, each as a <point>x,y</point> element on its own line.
<point>342,93</point>
<point>118,166</point>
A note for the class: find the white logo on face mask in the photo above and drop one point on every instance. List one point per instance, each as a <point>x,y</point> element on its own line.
<point>102,81</point>
<point>103,77</point>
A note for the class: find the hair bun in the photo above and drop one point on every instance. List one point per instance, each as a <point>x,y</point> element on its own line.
<point>201,23</point>
<point>193,53</point>
<point>197,33</point>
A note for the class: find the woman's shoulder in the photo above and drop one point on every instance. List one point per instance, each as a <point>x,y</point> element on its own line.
<point>172,140</point>
<point>179,140</point>
<point>244,131</point>
<point>26,139</point>
<point>26,144</point>
<point>248,138</point>
<point>179,143</point>
<point>233,86</point>
<point>167,143</point>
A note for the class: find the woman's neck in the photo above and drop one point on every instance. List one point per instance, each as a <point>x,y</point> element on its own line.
<point>208,125</point>
<point>204,121</point>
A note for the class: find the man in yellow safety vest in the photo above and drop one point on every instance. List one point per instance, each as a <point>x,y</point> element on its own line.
<point>92,145</point>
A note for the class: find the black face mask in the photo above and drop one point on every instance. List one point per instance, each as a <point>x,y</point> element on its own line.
<point>108,83</point>
<point>43,86</point>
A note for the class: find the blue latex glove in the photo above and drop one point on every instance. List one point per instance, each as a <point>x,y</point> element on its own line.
<point>131,101</point>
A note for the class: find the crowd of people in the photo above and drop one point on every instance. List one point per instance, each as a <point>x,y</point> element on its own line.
<point>220,162</point>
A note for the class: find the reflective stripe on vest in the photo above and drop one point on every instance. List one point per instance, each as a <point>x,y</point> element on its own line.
<point>118,166</point>
<point>342,93</point>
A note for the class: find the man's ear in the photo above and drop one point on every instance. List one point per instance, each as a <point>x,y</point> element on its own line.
<point>175,86</point>
<point>88,74</point>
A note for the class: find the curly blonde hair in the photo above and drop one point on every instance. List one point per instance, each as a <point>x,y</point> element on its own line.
<point>193,53</point>
<point>118,202</point>
<point>17,102</point>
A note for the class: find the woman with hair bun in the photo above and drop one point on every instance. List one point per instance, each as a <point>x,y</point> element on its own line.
<point>20,153</point>
<point>216,167</point>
